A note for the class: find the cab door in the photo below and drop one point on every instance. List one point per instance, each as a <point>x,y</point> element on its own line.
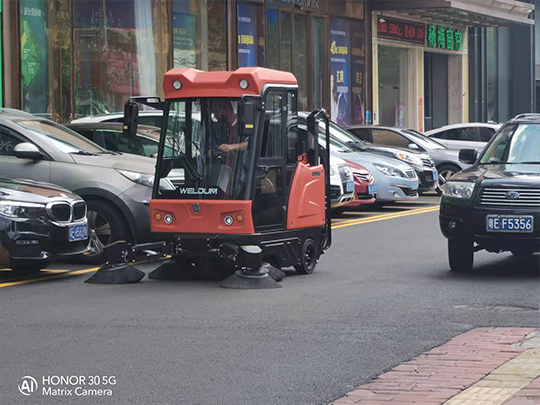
<point>269,202</point>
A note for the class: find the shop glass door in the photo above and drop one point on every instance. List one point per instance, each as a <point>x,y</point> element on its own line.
<point>393,86</point>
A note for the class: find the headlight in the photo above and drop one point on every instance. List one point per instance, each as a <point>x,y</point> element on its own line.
<point>458,189</point>
<point>389,170</point>
<point>407,157</point>
<point>139,178</point>
<point>14,209</point>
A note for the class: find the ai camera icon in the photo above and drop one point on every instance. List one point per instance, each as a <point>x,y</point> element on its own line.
<point>28,385</point>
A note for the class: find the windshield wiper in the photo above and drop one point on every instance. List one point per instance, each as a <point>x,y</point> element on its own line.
<point>82,152</point>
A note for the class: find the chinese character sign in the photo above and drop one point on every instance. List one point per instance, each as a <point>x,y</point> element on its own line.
<point>247,30</point>
<point>357,76</point>
<point>340,71</point>
<point>400,30</point>
<point>449,39</point>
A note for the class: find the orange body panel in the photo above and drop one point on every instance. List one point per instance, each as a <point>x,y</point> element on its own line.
<point>210,217</point>
<point>307,200</point>
<point>197,83</point>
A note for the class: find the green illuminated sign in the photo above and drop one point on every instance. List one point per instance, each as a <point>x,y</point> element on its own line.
<point>439,37</point>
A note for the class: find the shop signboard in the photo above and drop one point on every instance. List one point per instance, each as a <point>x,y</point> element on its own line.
<point>301,3</point>
<point>184,40</point>
<point>444,38</point>
<point>34,55</point>
<point>247,32</point>
<point>340,71</point>
<point>400,30</point>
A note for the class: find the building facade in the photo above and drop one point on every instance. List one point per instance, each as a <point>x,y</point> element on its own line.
<point>72,58</point>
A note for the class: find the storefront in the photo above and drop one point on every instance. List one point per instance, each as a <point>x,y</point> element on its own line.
<point>420,73</point>
<point>439,63</point>
<point>87,57</point>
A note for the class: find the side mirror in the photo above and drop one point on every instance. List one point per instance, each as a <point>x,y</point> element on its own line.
<point>27,150</point>
<point>247,115</point>
<point>413,146</point>
<point>131,116</point>
<point>468,156</point>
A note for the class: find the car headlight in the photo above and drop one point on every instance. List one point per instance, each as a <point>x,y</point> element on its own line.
<point>15,209</point>
<point>407,157</point>
<point>139,178</point>
<point>389,170</point>
<point>458,189</point>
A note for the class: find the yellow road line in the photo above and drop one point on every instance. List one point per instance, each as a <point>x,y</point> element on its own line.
<point>344,220</point>
<point>385,217</point>
<point>51,277</point>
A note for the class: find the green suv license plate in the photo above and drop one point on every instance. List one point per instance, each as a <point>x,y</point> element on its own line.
<point>510,223</point>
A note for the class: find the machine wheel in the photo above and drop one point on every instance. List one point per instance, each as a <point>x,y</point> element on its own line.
<point>105,225</point>
<point>308,257</point>
<point>445,172</point>
<point>461,254</point>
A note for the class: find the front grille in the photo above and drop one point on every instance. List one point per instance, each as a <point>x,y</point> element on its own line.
<point>364,196</point>
<point>79,211</point>
<point>61,212</point>
<point>25,251</point>
<point>428,162</point>
<point>411,174</point>
<point>509,197</point>
<point>408,192</point>
<point>335,192</point>
<point>364,177</point>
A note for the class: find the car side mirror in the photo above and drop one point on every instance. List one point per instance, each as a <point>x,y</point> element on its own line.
<point>468,156</point>
<point>27,150</point>
<point>413,146</point>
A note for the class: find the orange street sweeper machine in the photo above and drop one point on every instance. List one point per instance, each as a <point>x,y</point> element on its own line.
<point>239,191</point>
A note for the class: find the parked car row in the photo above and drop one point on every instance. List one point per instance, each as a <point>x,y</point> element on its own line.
<point>95,166</point>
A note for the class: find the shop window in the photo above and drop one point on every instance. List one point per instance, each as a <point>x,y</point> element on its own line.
<point>492,74</point>
<point>318,62</point>
<point>250,35</point>
<point>45,34</point>
<point>389,138</point>
<point>272,43</point>
<point>300,52</point>
<point>286,42</point>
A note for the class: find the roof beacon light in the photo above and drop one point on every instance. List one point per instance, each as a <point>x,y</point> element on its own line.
<point>244,84</point>
<point>177,85</point>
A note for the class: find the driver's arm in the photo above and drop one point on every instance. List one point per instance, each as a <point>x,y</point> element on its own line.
<point>233,146</point>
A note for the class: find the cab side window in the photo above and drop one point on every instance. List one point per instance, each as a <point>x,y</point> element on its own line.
<point>390,138</point>
<point>273,124</point>
<point>441,135</point>
<point>292,128</point>
<point>462,134</point>
<point>8,141</point>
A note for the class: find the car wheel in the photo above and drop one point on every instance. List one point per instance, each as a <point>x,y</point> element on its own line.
<point>105,225</point>
<point>461,254</point>
<point>308,257</point>
<point>445,172</point>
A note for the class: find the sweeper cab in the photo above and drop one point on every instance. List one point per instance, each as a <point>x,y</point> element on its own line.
<point>237,185</point>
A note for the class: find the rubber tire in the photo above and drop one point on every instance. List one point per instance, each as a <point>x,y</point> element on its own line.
<point>304,267</point>
<point>338,211</point>
<point>118,227</point>
<point>461,255</point>
<point>444,168</point>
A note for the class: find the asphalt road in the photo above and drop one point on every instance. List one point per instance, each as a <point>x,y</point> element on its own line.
<point>382,295</point>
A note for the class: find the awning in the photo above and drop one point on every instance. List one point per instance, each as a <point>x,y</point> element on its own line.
<point>461,12</point>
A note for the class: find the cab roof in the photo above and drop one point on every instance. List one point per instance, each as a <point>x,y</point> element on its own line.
<point>197,83</point>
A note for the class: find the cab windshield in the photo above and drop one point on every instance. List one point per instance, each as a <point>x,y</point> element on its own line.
<point>205,156</point>
<point>517,144</point>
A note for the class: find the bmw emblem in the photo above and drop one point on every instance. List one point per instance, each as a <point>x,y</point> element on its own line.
<point>512,195</point>
<point>196,208</point>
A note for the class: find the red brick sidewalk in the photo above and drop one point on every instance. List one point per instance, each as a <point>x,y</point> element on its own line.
<point>435,377</point>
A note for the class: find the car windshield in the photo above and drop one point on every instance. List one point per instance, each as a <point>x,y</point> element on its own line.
<point>422,140</point>
<point>518,144</point>
<point>59,137</point>
<point>207,158</point>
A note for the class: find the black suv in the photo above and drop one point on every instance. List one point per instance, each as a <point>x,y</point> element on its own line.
<point>39,222</point>
<point>495,204</point>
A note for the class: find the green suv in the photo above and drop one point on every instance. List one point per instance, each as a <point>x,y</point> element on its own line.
<point>495,204</point>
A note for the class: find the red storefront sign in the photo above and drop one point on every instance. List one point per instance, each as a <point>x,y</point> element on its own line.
<point>400,30</point>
